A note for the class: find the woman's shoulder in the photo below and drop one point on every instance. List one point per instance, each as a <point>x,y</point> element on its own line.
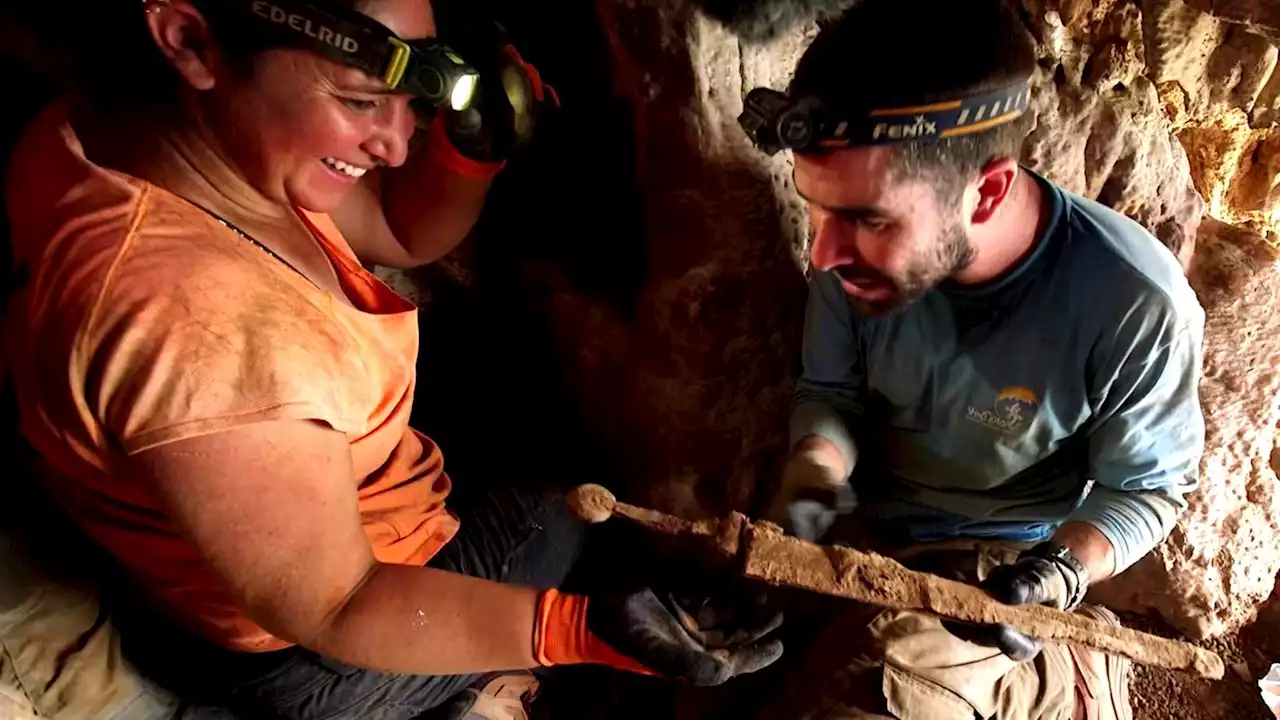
<point>155,317</point>
<point>84,235</point>
<point>76,227</point>
<point>168,325</point>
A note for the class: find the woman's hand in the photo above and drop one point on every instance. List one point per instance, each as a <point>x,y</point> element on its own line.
<point>510,101</point>
<point>704,641</point>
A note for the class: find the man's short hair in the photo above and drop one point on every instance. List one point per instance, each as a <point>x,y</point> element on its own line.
<point>897,53</point>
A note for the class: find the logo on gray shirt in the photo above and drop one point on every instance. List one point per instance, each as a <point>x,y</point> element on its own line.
<point>1012,411</point>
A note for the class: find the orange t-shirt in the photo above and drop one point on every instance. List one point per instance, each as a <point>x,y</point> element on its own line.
<point>144,321</point>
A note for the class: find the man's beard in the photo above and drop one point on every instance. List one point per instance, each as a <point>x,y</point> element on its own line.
<point>950,253</point>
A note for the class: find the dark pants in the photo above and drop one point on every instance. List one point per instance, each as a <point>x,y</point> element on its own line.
<point>512,536</point>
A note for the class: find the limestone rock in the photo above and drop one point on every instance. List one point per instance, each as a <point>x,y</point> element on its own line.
<point>1266,110</point>
<point>1236,168</point>
<point>1263,15</point>
<point>1215,65</point>
<point>1220,563</point>
<point>758,20</point>
<point>1218,83</point>
<point>1101,129</point>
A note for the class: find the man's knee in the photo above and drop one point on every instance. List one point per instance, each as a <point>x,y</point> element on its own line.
<point>930,673</point>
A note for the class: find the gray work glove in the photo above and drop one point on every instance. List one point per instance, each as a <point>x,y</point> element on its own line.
<point>1047,574</point>
<point>814,493</point>
<point>699,639</point>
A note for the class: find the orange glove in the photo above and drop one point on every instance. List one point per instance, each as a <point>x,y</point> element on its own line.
<point>703,642</point>
<point>442,151</point>
<point>508,104</point>
<point>561,636</point>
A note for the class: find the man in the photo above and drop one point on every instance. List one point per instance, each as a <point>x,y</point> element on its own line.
<point>991,363</point>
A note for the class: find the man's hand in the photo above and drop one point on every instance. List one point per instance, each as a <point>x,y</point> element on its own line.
<point>1047,574</point>
<point>814,491</point>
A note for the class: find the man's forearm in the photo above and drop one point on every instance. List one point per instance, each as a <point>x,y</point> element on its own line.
<point>815,424</point>
<point>825,451</point>
<point>1090,547</point>
<point>1131,521</point>
<point>415,620</point>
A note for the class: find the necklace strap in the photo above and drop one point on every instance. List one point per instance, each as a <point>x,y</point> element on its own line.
<point>255,242</point>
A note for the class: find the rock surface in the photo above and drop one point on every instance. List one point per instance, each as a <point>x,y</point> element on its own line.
<point>1263,15</point>
<point>1235,167</point>
<point>1214,64</point>
<point>692,387</point>
<point>1101,130</point>
<point>1216,75</point>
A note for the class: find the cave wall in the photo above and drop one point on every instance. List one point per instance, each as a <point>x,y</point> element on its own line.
<point>692,385</point>
<point>1216,74</point>
<point>1100,129</point>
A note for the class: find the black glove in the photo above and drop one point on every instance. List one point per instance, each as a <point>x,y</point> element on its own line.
<point>701,640</point>
<point>812,496</point>
<point>1047,574</point>
<point>813,511</point>
<point>509,100</point>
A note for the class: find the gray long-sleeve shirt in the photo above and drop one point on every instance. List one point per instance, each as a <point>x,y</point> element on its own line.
<point>1065,391</point>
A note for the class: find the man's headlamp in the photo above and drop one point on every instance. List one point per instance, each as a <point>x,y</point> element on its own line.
<point>776,122</point>
<point>426,69</point>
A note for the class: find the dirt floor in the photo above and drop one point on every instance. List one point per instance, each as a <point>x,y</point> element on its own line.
<point>1165,695</point>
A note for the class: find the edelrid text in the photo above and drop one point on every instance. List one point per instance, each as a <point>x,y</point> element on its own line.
<point>304,25</point>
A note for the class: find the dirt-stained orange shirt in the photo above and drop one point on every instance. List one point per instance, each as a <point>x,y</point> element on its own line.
<point>143,321</point>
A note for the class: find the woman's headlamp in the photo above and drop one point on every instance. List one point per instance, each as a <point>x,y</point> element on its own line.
<point>426,69</point>
<point>776,122</point>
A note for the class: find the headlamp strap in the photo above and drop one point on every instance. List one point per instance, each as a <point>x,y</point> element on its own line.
<point>350,38</point>
<point>952,118</point>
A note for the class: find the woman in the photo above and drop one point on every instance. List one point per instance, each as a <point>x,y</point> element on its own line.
<point>221,391</point>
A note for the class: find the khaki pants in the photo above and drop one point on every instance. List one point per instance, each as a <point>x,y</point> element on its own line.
<point>59,656</point>
<point>874,663</point>
<point>59,653</point>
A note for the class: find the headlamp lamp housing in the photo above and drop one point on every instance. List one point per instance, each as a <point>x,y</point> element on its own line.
<point>774,122</point>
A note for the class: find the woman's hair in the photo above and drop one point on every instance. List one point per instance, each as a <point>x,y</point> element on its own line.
<point>118,66</point>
